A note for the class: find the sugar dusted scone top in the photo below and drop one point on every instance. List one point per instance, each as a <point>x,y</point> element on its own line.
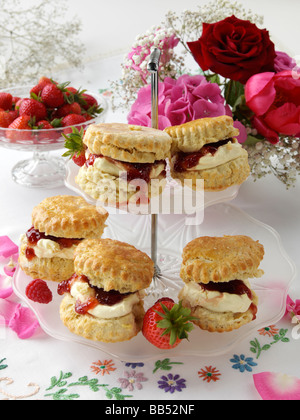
<point>192,136</point>
<point>113,265</point>
<point>221,259</point>
<point>128,143</point>
<point>67,216</point>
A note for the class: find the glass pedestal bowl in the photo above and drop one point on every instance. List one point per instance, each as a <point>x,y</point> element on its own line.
<point>41,170</point>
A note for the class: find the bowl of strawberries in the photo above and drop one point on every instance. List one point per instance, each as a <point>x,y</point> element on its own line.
<point>36,118</point>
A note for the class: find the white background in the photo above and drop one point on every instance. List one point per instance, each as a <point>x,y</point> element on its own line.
<point>111,26</point>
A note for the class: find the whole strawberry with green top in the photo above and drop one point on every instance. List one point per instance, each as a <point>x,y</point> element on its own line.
<point>167,323</point>
<point>52,95</point>
<point>76,147</point>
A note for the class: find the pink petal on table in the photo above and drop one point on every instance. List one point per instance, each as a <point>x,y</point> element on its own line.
<point>5,287</point>
<point>277,386</point>
<point>9,271</point>
<point>23,322</point>
<point>7,247</point>
<point>18,318</point>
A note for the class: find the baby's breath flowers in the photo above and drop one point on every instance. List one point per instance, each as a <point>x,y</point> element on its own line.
<point>35,39</point>
<point>134,67</point>
<point>281,159</point>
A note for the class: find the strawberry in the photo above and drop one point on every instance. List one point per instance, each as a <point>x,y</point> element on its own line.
<point>21,123</point>
<point>166,324</point>
<point>16,129</point>
<point>89,100</point>
<point>6,101</point>
<point>7,117</point>
<point>52,96</point>
<point>33,108</point>
<point>5,120</point>
<point>89,104</point>
<point>71,91</point>
<point>43,134</point>
<point>18,103</point>
<point>71,120</point>
<point>67,109</point>
<point>44,125</point>
<point>46,80</point>
<point>76,147</point>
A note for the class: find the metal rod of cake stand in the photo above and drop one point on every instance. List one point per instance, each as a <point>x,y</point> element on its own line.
<point>153,66</point>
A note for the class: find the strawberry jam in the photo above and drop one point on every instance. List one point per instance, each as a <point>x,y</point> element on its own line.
<point>110,298</point>
<point>29,253</point>
<point>185,161</point>
<point>83,308</point>
<point>101,297</point>
<point>233,287</point>
<point>236,287</point>
<point>34,236</point>
<point>133,170</point>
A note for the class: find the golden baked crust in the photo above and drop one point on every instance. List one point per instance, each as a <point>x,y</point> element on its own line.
<point>113,265</point>
<point>66,216</point>
<point>112,190</point>
<point>105,330</point>
<point>221,259</point>
<point>128,143</point>
<point>234,172</point>
<point>50,269</point>
<point>192,136</point>
<point>220,322</point>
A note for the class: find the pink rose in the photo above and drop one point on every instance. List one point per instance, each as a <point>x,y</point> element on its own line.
<point>275,102</point>
<point>283,62</point>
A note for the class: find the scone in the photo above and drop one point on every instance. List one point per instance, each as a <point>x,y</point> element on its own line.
<point>216,273</point>
<point>59,224</point>
<point>125,163</point>
<point>104,298</point>
<point>207,149</point>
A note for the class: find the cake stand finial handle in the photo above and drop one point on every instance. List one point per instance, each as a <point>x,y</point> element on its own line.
<point>153,67</point>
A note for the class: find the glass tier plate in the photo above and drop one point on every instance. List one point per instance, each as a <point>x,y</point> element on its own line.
<point>174,232</point>
<point>173,193</point>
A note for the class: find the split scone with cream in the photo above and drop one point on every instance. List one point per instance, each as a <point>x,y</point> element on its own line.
<point>104,298</point>
<point>59,224</point>
<point>124,163</point>
<point>207,149</point>
<point>216,273</point>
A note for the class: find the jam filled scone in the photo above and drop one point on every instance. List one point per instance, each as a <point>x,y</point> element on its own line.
<point>118,155</point>
<point>104,298</point>
<point>207,149</point>
<point>59,224</point>
<point>215,271</point>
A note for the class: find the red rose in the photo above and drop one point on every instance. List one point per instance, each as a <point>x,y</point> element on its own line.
<point>275,102</point>
<point>235,49</point>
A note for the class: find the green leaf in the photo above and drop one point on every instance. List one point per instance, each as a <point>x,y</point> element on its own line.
<point>165,364</point>
<point>266,347</point>
<point>233,91</point>
<point>252,140</point>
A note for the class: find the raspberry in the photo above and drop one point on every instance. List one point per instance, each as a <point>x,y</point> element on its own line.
<point>38,291</point>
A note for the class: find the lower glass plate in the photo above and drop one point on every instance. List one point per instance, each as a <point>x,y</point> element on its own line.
<point>174,232</point>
